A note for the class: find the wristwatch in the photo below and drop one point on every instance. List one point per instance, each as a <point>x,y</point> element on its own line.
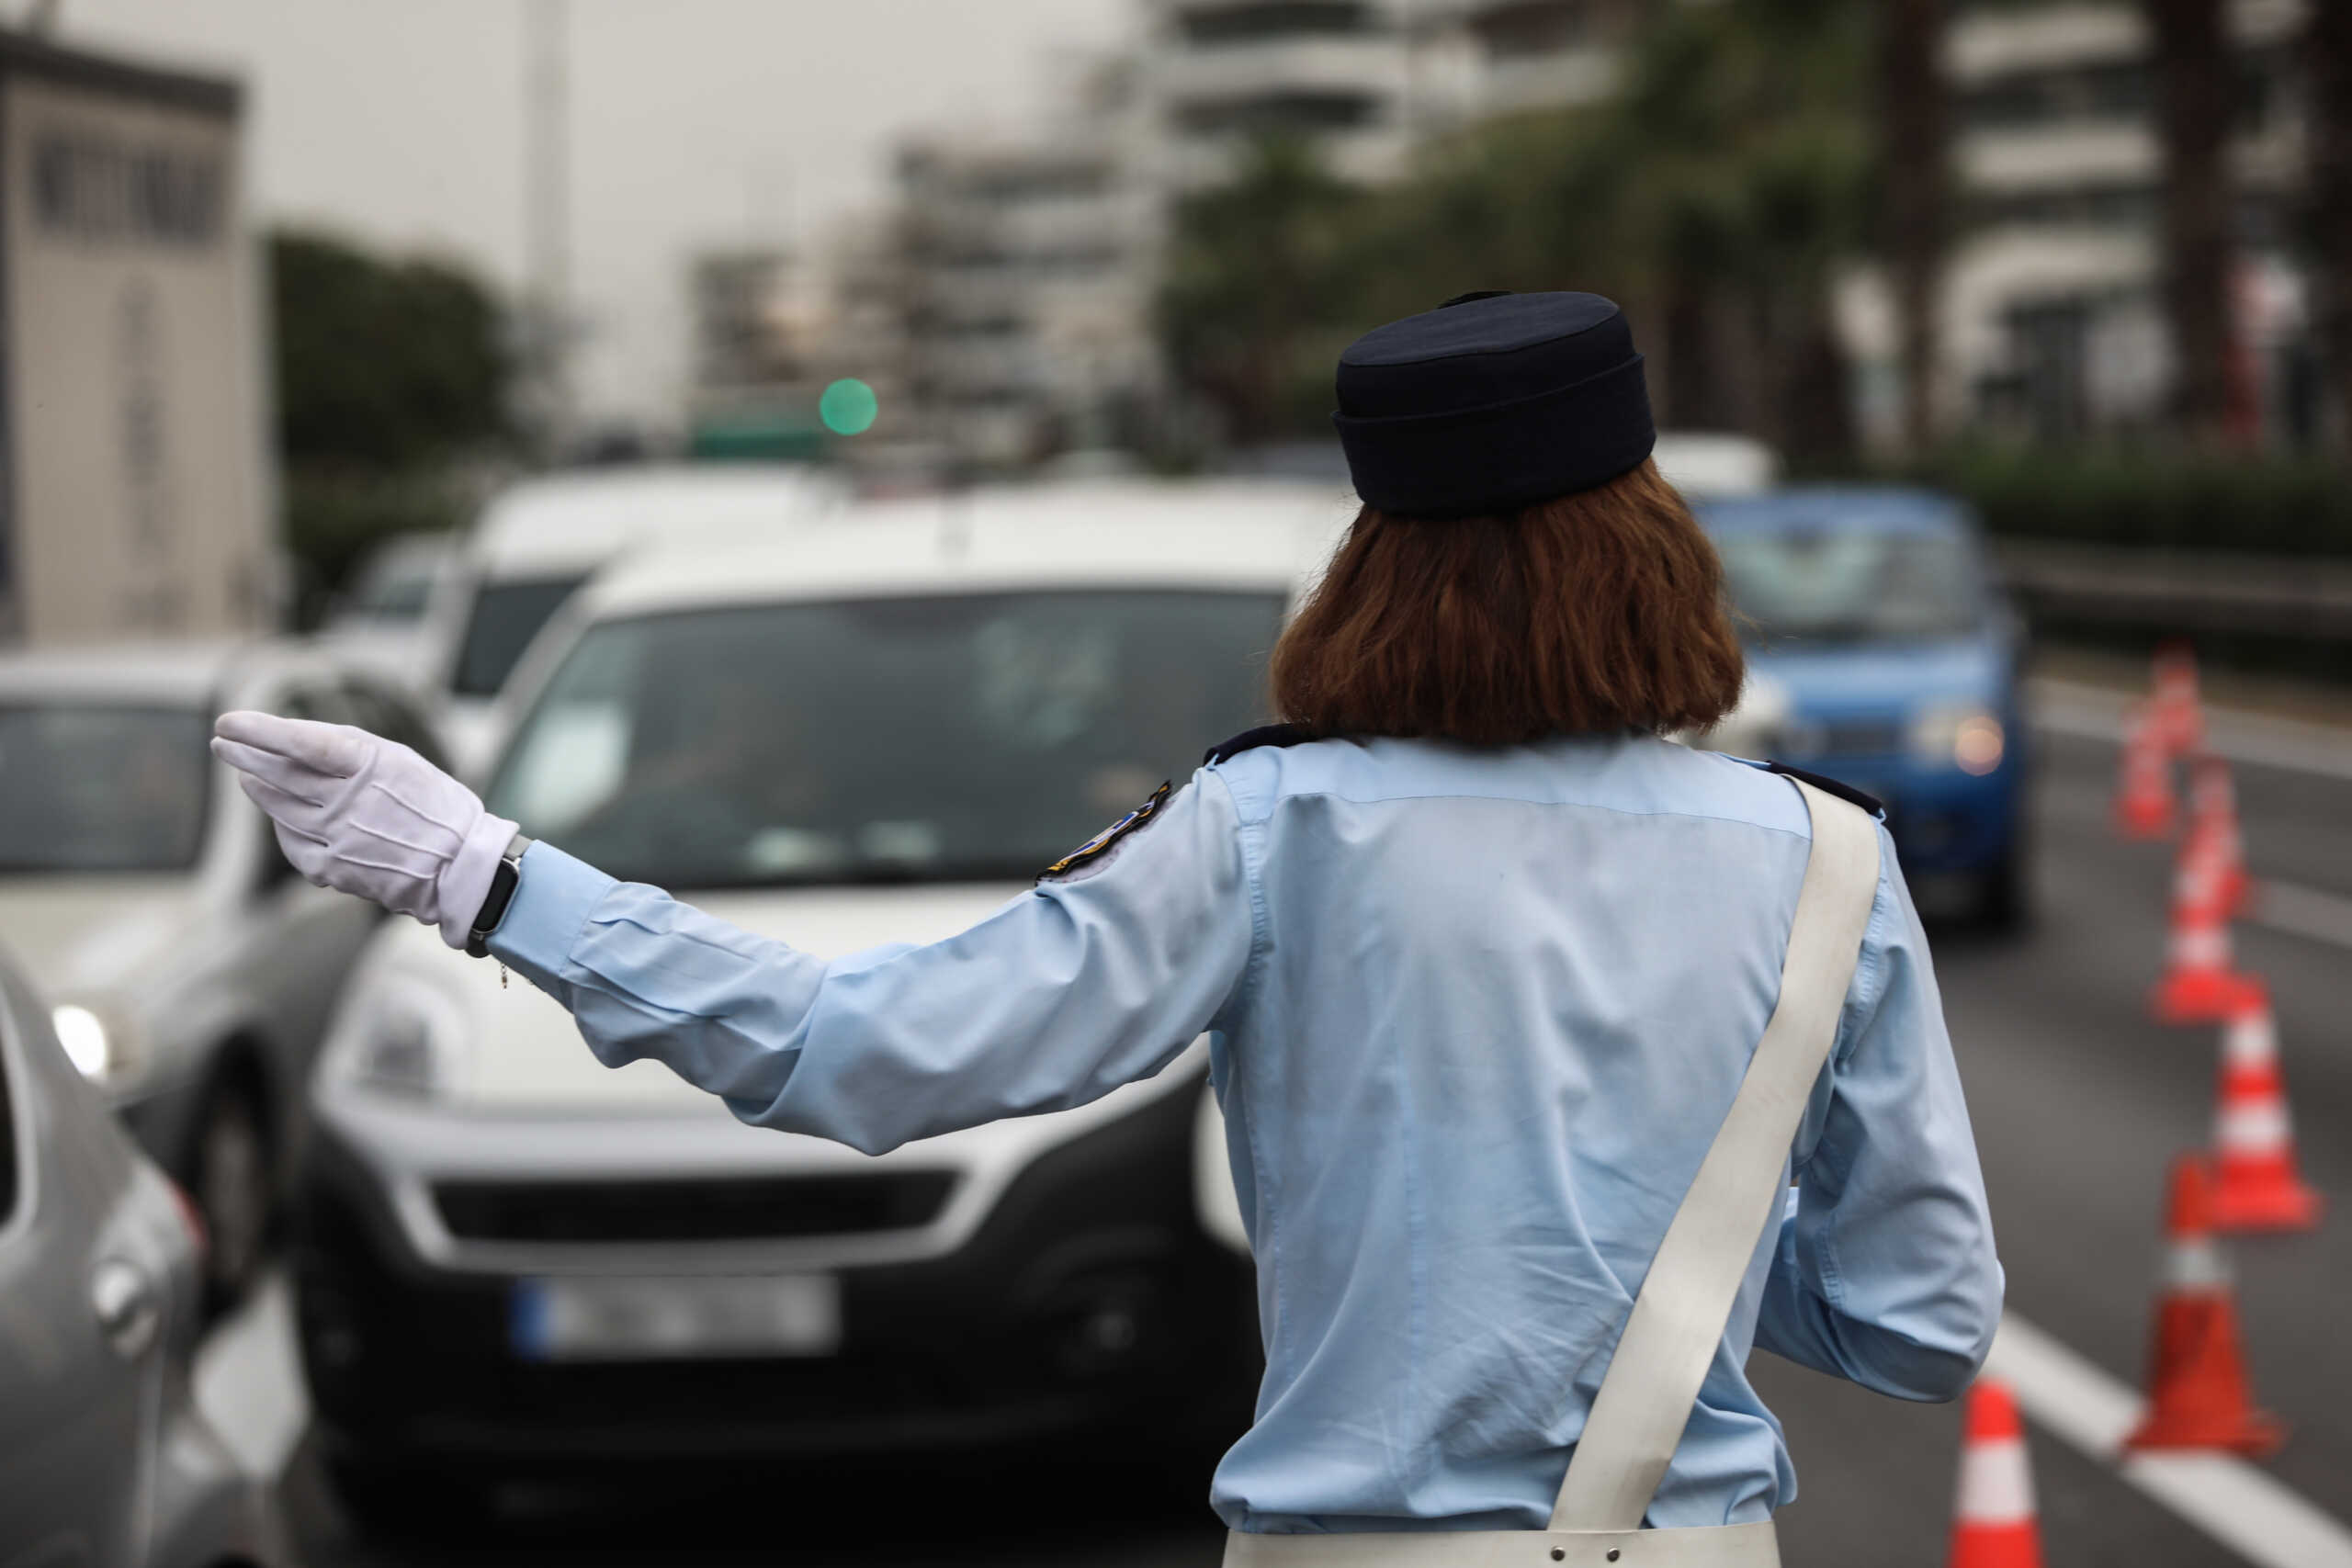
<point>502,883</point>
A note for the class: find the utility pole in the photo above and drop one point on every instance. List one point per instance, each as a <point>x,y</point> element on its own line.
<point>547,185</point>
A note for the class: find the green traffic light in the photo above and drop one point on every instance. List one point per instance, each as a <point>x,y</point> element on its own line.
<point>848,407</point>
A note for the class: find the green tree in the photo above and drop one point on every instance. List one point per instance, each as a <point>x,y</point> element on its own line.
<point>2327,203</point>
<point>1253,296</point>
<point>1914,116</point>
<point>391,374</point>
<point>1716,193</point>
<point>2194,83</point>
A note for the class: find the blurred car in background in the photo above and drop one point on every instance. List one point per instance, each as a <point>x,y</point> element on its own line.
<point>105,1462</point>
<point>380,620</point>
<point>1706,465</point>
<point>1882,653</point>
<point>539,541</point>
<point>191,970</point>
<point>1699,463</point>
<point>510,1256</point>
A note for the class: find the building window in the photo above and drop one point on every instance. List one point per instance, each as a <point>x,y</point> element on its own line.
<point>1536,27</point>
<point>2111,206</point>
<point>1274,19</point>
<point>1300,110</point>
<point>2123,91</point>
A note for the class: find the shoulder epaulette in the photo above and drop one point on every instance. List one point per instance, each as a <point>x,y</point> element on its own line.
<point>1868,802</point>
<point>1251,739</point>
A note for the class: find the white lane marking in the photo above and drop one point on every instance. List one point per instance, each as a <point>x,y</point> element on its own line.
<point>248,1381</point>
<point>2071,707</point>
<point>2243,1507</point>
<point>2302,911</point>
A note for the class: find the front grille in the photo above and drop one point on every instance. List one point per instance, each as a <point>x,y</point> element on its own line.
<point>1861,737</point>
<point>1805,740</point>
<point>730,1209</point>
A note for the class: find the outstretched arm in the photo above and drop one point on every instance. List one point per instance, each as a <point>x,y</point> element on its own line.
<point>1069,990</point>
<point>1072,989</point>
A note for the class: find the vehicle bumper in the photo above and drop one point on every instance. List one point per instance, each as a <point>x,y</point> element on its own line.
<point>207,1511</point>
<point>1088,1295</point>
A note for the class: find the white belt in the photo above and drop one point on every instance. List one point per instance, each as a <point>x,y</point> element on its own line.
<point>1669,1338</point>
<point>1724,1545</point>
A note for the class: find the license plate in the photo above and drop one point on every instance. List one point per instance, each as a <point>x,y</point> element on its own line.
<point>605,1319</point>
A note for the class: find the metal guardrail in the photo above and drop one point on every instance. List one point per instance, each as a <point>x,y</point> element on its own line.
<point>2189,591</point>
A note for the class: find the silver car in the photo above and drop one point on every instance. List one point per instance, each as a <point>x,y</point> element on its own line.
<point>104,1461</point>
<point>190,970</point>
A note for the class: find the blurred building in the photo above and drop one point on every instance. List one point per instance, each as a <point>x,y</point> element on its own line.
<point>1030,261</point>
<point>134,482</point>
<point>1525,54</point>
<point>757,316</point>
<point>1361,79</point>
<point>2052,323</point>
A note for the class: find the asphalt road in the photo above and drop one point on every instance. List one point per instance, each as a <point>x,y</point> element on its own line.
<point>2080,1102</point>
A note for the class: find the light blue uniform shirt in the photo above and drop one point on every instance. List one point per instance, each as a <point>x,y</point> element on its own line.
<point>1475,1018</point>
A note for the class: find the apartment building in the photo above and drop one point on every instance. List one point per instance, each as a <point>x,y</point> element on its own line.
<point>2052,321</point>
<point>1030,261</point>
<point>1527,54</point>
<point>1363,79</point>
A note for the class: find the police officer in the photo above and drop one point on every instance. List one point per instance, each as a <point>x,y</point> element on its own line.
<point>1524,1020</point>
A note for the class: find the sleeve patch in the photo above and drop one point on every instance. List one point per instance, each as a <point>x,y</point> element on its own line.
<point>1095,848</point>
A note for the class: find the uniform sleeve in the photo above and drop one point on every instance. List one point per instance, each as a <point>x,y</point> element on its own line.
<point>1885,1273</point>
<point>1069,990</point>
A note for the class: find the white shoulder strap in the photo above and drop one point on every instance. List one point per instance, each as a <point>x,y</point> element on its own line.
<point>1670,1340</point>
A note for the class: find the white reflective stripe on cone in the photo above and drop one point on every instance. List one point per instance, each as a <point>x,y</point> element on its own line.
<point>2252,1124</point>
<point>1995,1483</point>
<point>2201,947</point>
<point>2251,1039</point>
<point>2196,1265</point>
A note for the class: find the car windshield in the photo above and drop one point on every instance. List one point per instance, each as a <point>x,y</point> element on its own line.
<point>506,616</point>
<point>1851,585</point>
<point>935,739</point>
<point>397,588</point>
<point>102,788</point>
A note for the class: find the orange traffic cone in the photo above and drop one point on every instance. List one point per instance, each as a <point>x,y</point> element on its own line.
<point>1993,1523</point>
<point>2201,984</point>
<point>2257,1185</point>
<point>2143,808</point>
<point>2197,1386</point>
<point>2215,814</point>
<point>2179,708</point>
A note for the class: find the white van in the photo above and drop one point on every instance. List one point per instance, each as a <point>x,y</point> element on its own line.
<point>512,1256</point>
<point>537,542</point>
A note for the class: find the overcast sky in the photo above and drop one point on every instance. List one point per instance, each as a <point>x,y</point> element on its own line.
<point>695,122</point>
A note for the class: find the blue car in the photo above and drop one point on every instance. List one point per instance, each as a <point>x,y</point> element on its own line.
<point>1882,653</point>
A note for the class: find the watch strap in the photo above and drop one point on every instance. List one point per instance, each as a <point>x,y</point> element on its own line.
<point>502,883</point>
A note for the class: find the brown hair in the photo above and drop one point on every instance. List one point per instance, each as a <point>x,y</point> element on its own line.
<point>1601,611</point>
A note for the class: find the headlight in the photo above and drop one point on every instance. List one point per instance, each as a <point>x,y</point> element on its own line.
<point>406,1039</point>
<point>1966,736</point>
<point>98,1041</point>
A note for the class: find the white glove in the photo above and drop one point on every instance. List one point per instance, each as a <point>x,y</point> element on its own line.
<point>364,814</point>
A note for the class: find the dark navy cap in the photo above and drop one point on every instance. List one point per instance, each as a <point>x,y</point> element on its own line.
<point>1491,402</point>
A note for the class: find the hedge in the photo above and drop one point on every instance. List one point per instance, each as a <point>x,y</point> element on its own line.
<point>2277,506</point>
